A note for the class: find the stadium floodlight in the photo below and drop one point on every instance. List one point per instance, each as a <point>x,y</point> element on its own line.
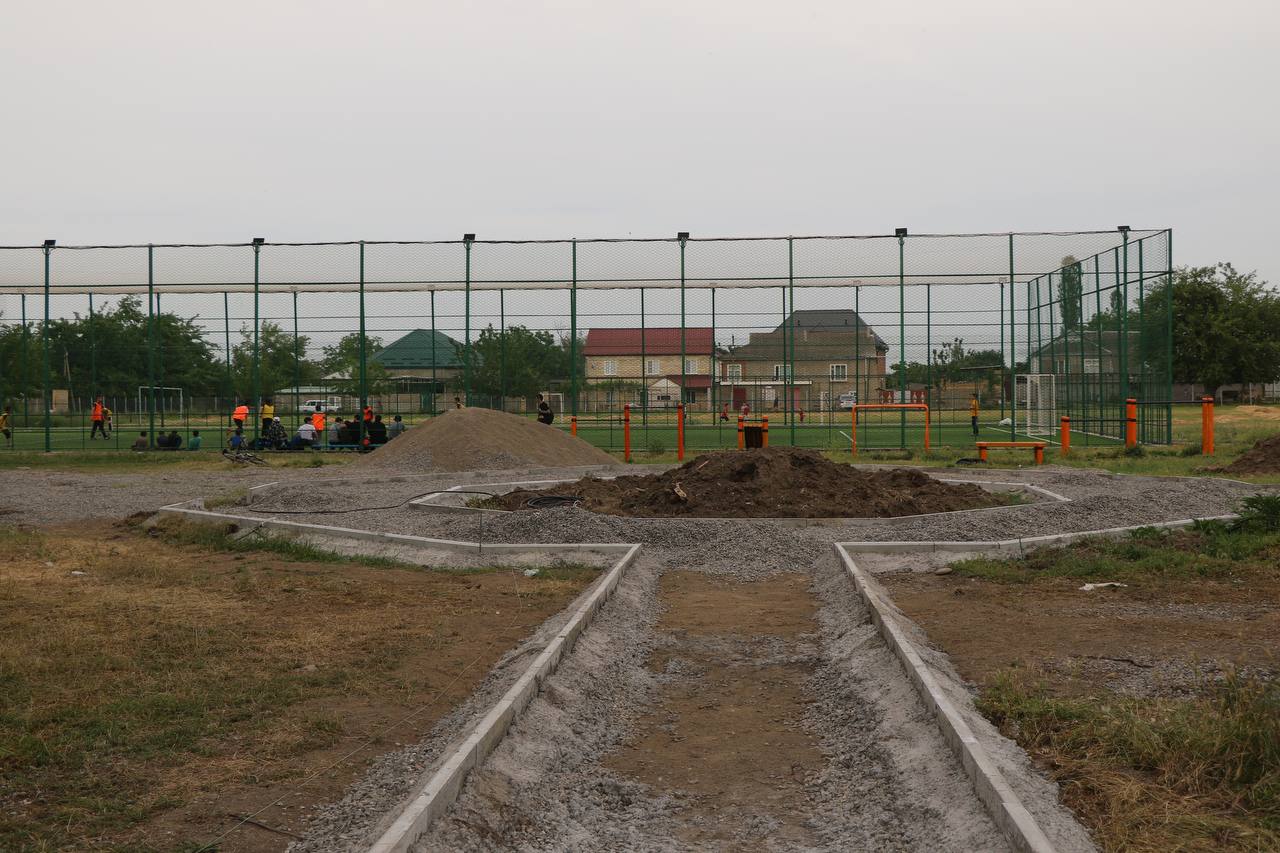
<point>682,235</point>
<point>899,232</point>
<point>468,238</point>
<point>1124,229</point>
<point>258,241</point>
<point>49,244</point>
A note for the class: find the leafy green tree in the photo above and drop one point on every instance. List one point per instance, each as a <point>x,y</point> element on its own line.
<point>1226,327</point>
<point>341,364</point>
<point>519,362</point>
<point>282,362</point>
<point>1069,292</point>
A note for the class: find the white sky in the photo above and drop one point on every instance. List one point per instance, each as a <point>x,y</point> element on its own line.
<point>136,122</point>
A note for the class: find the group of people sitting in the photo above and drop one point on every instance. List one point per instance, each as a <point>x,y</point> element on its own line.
<point>315,432</point>
<point>172,441</point>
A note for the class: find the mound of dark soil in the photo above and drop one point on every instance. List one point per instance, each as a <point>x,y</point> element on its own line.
<point>775,482</point>
<point>1262,458</point>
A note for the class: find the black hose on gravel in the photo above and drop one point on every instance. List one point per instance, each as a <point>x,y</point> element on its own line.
<point>553,501</point>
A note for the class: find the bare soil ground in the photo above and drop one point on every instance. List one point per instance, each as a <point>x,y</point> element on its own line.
<point>780,482</point>
<point>1262,458</point>
<point>479,439</point>
<point>727,727</point>
<point>1155,640</point>
<point>153,694</point>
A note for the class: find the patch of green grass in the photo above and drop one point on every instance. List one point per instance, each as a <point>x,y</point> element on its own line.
<point>1158,774</point>
<point>1208,550</point>
<point>235,497</point>
<point>221,537</point>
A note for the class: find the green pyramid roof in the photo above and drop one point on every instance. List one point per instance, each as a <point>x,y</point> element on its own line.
<point>415,350</point>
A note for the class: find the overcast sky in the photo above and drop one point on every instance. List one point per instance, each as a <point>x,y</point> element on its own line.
<point>136,122</point>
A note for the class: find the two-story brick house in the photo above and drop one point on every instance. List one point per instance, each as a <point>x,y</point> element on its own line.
<point>820,354</point>
<point>642,366</point>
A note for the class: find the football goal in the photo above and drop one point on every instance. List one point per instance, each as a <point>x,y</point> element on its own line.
<point>1037,403</point>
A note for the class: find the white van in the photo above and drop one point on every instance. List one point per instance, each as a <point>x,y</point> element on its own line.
<point>849,399</point>
<point>328,405</point>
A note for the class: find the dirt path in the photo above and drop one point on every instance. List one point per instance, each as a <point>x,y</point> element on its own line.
<point>727,727</point>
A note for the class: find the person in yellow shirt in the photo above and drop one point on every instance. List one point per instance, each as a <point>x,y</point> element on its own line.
<point>973,413</point>
<point>268,413</point>
<point>5,429</point>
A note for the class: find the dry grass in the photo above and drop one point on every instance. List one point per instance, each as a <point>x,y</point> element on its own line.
<point>1158,775</point>
<point>166,673</point>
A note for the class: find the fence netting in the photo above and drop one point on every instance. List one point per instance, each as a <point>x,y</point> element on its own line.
<point>1023,328</point>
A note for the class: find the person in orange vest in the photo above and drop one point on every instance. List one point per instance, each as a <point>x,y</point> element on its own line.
<point>240,415</point>
<point>368,416</point>
<point>96,418</point>
<point>317,421</point>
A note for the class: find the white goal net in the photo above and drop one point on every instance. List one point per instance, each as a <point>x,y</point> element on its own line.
<point>1037,402</point>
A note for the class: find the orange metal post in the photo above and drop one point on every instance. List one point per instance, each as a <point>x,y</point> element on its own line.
<point>853,433</point>
<point>680,431</point>
<point>982,453</point>
<point>626,432</point>
<point>1131,422</point>
<point>741,440</point>
<point>1206,426</point>
<point>1039,455</point>
<point>573,425</point>
<point>764,431</point>
<point>1066,435</point>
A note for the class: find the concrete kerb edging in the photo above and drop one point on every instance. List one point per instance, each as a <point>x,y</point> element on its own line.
<point>187,510</point>
<point>437,791</point>
<point>1018,546</point>
<point>1001,802</point>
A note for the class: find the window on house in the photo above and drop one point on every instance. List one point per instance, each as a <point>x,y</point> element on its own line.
<point>839,372</point>
<point>652,367</point>
<point>690,365</point>
<point>733,372</point>
<point>1091,365</point>
<point>609,368</point>
<point>781,372</point>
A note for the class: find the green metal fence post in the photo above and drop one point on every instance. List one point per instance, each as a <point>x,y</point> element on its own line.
<point>466,351</point>
<point>644,372</point>
<point>297,370</point>
<point>47,395</point>
<point>226,327</point>
<point>151,346</point>
<point>573,330</point>
<point>682,238</point>
<point>1003,375</point>
<point>26,367</point>
<point>902,334</point>
<point>711,390</point>
<point>859,393</point>
<point>1168,319</point>
<point>1124,323</point>
<point>435,382</point>
<point>255,384</point>
<point>502,349</point>
<point>1097,297</point>
<point>364,357</point>
<point>93,352</point>
<point>1142,394</point>
<point>1013,349</point>
<point>928,348</point>
<point>791,321</point>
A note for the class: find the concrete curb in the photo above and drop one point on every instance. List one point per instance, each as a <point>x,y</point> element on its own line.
<point>1018,546</point>
<point>1001,802</point>
<point>478,548</point>
<point>435,793</point>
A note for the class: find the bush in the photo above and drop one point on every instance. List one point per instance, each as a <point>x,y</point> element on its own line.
<point>1258,514</point>
<point>657,448</point>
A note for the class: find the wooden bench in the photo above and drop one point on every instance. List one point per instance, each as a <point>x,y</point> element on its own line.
<point>1037,446</point>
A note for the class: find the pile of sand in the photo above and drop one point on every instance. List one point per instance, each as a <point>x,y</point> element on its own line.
<point>481,439</point>
<point>1262,458</point>
<point>776,482</point>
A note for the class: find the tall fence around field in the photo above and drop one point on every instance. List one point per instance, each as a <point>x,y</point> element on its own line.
<point>798,329</point>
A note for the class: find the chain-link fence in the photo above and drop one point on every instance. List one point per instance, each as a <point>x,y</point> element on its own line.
<point>1021,328</point>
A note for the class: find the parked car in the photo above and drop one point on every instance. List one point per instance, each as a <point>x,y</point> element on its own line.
<point>330,406</point>
<point>848,400</point>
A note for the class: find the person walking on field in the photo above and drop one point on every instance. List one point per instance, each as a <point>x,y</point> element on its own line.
<point>724,412</point>
<point>268,413</point>
<point>5,429</point>
<point>106,422</point>
<point>240,415</point>
<point>973,413</point>
<point>96,419</point>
